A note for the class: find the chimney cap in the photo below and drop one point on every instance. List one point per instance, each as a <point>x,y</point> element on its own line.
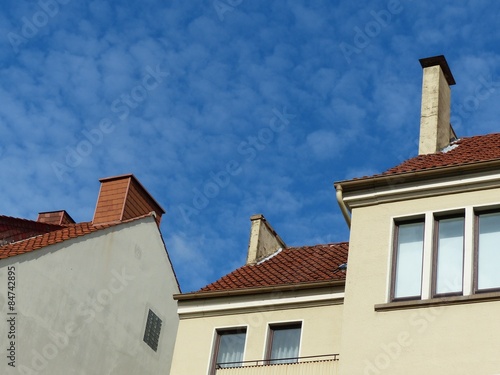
<point>257,217</point>
<point>441,61</point>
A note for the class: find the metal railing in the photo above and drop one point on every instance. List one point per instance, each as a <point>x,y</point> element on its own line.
<point>277,361</point>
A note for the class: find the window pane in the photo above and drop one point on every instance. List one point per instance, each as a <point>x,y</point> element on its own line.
<point>285,344</point>
<point>231,347</point>
<point>408,281</point>
<point>489,251</point>
<point>450,255</point>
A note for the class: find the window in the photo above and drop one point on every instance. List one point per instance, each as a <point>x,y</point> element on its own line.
<point>228,349</point>
<point>487,255</point>
<point>283,343</point>
<point>153,329</point>
<point>408,258</point>
<point>448,256</point>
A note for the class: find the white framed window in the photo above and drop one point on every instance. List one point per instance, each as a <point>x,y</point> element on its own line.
<point>487,252</point>
<point>408,260</point>
<point>451,253</point>
<point>448,260</point>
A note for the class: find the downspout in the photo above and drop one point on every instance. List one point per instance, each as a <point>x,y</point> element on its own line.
<point>342,205</point>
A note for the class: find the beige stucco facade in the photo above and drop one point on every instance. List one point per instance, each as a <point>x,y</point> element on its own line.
<point>421,333</point>
<point>454,335</point>
<point>319,311</point>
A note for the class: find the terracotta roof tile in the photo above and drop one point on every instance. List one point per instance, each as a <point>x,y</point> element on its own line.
<point>57,235</point>
<point>463,151</point>
<point>16,229</point>
<point>293,265</point>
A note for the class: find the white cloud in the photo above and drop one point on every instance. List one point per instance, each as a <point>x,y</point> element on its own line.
<point>324,144</point>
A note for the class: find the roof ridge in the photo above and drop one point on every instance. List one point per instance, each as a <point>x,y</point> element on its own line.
<point>152,214</point>
<point>318,244</point>
<point>43,234</point>
<point>71,231</point>
<point>35,222</point>
<point>14,229</point>
<point>469,151</point>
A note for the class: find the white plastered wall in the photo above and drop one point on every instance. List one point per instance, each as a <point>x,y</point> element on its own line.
<point>82,304</point>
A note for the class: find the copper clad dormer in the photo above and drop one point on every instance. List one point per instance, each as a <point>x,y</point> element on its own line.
<point>122,198</point>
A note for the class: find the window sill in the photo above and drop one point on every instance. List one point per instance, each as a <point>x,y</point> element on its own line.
<point>442,301</point>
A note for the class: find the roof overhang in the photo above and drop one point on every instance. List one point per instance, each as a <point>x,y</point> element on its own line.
<point>435,181</point>
<point>258,290</point>
<point>264,299</point>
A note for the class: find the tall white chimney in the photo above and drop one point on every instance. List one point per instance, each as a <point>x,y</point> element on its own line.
<point>435,128</point>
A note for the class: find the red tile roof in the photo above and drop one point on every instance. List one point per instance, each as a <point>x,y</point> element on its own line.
<point>15,229</point>
<point>293,265</point>
<point>463,151</point>
<point>56,235</point>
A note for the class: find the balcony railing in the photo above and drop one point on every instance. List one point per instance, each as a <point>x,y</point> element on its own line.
<point>317,365</point>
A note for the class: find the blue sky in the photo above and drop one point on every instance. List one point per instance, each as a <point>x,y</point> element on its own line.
<point>227,108</point>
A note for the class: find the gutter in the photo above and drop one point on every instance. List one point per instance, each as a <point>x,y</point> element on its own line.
<point>396,179</point>
<point>258,290</point>
<point>342,205</point>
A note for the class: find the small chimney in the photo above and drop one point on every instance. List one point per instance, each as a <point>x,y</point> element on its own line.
<point>264,240</point>
<point>123,197</point>
<point>435,128</point>
<point>55,217</point>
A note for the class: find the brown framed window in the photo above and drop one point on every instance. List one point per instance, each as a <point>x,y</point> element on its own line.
<point>487,252</point>
<point>448,255</point>
<point>228,349</point>
<point>407,260</point>
<point>283,343</point>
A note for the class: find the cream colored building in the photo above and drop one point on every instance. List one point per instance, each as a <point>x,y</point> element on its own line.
<point>422,291</point>
<point>281,313</point>
<point>423,287</point>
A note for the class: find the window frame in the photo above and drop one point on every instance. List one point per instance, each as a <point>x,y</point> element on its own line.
<point>272,327</point>
<point>396,225</point>
<point>470,271</point>
<point>435,249</point>
<point>219,332</point>
<point>475,277</point>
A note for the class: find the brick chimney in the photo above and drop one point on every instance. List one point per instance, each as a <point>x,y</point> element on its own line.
<point>55,217</point>
<point>435,128</point>
<point>264,241</point>
<point>123,197</point>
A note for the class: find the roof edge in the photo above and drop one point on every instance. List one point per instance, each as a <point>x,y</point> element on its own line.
<point>256,290</point>
<point>390,180</point>
<point>98,228</point>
